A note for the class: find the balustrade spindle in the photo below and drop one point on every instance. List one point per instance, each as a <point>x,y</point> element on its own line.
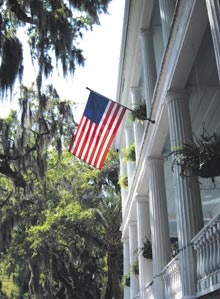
<point>218,249</point>
<point>198,248</point>
<point>215,249</point>
<point>211,249</point>
<point>207,258</point>
<point>203,257</point>
<point>207,246</point>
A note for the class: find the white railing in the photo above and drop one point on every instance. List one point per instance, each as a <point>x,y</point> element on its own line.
<point>172,279</point>
<point>207,247</point>
<point>149,290</point>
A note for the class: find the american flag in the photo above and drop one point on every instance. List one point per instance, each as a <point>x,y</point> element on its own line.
<point>96,130</point>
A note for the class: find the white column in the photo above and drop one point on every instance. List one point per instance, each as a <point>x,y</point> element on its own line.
<point>124,192</point>
<point>129,139</point>
<point>149,66</point>
<point>188,202</point>
<point>143,232</point>
<point>159,222</point>
<point>166,14</point>
<point>133,248</point>
<point>126,263</point>
<point>213,7</point>
<point>138,126</point>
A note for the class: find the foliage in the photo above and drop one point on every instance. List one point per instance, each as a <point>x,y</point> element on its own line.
<point>138,113</point>
<point>108,215</point>
<point>129,153</point>
<point>174,246</point>
<point>201,157</point>
<point>59,219</point>
<point>26,136</point>
<point>135,268</point>
<point>146,250</point>
<point>126,280</point>
<point>66,242</point>
<point>123,181</point>
<point>9,289</point>
<point>53,29</point>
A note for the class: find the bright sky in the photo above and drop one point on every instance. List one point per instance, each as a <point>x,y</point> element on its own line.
<point>101,48</point>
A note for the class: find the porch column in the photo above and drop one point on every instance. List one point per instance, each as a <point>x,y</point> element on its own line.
<point>129,139</point>
<point>124,192</point>
<point>166,14</point>
<point>138,126</point>
<point>213,8</point>
<point>126,265</point>
<point>149,65</point>
<point>143,232</point>
<point>188,201</point>
<point>159,223</point>
<point>133,248</point>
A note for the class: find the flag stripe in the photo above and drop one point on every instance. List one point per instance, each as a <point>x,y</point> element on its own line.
<point>107,122</point>
<point>77,134</point>
<point>107,132</point>
<point>96,130</point>
<point>81,137</point>
<point>84,140</point>
<point>91,139</point>
<point>104,126</point>
<point>98,133</point>
<point>111,139</point>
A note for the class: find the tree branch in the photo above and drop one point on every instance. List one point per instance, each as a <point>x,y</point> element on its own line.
<point>16,157</point>
<point>6,200</point>
<point>20,14</point>
<point>17,178</point>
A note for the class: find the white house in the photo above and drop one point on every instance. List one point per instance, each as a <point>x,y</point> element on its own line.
<point>170,60</point>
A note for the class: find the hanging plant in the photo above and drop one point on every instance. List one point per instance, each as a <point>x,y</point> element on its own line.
<point>146,250</point>
<point>135,268</point>
<point>123,181</point>
<point>174,247</point>
<point>126,280</point>
<point>129,153</point>
<point>202,157</point>
<point>139,113</point>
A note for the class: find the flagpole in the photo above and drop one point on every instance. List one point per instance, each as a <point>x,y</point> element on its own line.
<point>152,121</point>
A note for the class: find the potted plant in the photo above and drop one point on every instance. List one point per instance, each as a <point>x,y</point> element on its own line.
<point>126,279</point>
<point>201,157</point>
<point>146,250</point>
<point>123,181</point>
<point>174,246</point>
<point>139,113</point>
<point>135,268</point>
<point>129,153</point>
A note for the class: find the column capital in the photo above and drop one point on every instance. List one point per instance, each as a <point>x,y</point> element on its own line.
<point>125,239</point>
<point>153,159</point>
<point>128,127</point>
<point>145,32</point>
<point>132,222</point>
<point>140,198</point>
<point>175,95</point>
<point>135,89</point>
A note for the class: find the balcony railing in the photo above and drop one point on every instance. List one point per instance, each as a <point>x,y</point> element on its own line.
<point>172,279</point>
<point>207,246</point>
<point>149,290</point>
